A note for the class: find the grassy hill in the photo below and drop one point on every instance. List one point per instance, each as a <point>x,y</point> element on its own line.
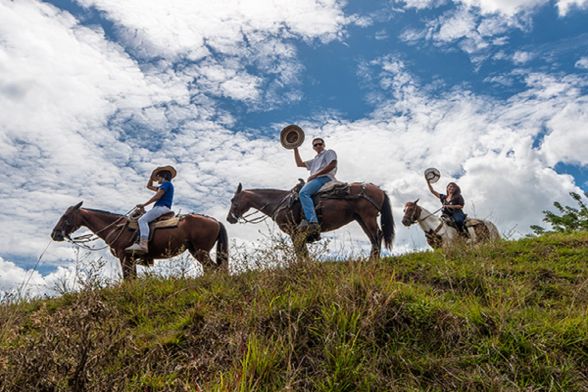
<point>510,316</point>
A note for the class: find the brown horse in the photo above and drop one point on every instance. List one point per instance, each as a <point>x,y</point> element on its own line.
<point>194,232</point>
<point>363,204</point>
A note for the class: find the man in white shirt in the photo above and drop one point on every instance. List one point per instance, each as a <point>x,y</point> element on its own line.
<point>323,168</point>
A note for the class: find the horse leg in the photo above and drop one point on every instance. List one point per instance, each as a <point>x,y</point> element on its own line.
<point>204,258</point>
<point>299,243</point>
<point>129,267</point>
<point>372,230</point>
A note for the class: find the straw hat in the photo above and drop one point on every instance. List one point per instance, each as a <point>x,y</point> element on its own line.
<point>164,168</point>
<point>292,136</point>
<point>432,175</point>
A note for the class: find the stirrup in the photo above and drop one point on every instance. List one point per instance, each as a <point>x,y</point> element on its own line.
<point>136,248</point>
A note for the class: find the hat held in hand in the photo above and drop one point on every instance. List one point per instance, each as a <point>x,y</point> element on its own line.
<point>432,175</point>
<point>291,136</point>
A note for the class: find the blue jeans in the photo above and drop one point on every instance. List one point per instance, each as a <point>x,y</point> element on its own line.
<point>306,193</point>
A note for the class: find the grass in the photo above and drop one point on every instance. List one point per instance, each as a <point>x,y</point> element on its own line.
<point>508,316</point>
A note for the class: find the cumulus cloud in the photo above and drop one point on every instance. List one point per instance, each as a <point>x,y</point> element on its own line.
<point>582,63</point>
<point>565,6</point>
<point>521,57</point>
<point>505,7</point>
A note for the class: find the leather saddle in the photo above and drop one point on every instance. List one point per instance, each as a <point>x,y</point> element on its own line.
<point>167,220</point>
<point>331,190</point>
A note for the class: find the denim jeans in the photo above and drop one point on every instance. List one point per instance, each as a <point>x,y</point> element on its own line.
<point>149,216</point>
<point>306,193</point>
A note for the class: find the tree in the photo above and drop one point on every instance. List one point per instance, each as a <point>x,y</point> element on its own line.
<point>569,218</point>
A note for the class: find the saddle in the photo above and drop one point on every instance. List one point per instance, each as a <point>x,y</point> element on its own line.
<point>165,221</point>
<point>469,222</point>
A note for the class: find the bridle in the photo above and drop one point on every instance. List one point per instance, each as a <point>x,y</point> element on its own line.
<point>257,219</point>
<point>415,217</point>
<point>82,240</point>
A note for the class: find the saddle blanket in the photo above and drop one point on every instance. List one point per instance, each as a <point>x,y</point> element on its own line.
<point>160,224</point>
<point>329,186</point>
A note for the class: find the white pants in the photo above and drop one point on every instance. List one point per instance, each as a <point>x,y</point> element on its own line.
<point>149,216</point>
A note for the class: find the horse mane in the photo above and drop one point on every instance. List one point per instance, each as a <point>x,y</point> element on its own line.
<point>104,212</point>
<point>269,190</point>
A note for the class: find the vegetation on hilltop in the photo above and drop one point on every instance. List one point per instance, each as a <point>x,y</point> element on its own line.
<point>507,316</point>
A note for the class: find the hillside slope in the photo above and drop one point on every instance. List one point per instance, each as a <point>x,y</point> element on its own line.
<point>510,316</point>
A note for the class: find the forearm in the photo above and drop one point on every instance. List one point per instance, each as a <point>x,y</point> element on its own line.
<point>150,185</point>
<point>434,192</point>
<point>326,169</point>
<point>298,159</point>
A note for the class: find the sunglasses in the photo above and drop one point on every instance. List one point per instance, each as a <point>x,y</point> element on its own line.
<point>317,144</point>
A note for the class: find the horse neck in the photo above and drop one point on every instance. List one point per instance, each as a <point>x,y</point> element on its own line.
<point>266,200</point>
<point>100,223</point>
<point>428,221</point>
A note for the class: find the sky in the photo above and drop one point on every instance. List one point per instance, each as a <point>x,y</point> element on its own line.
<point>94,94</point>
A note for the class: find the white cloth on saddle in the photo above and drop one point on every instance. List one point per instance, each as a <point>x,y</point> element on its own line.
<point>330,185</point>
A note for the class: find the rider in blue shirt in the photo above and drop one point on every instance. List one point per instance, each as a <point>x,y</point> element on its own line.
<point>163,199</point>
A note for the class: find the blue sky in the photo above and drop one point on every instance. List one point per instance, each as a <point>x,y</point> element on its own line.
<point>96,93</point>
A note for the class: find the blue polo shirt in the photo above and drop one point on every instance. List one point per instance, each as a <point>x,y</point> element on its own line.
<point>168,197</point>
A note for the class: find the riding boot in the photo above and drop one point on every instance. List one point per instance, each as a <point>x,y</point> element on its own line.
<point>314,232</point>
<point>303,225</point>
<point>141,247</point>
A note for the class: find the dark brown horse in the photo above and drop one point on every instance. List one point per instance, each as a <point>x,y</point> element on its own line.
<point>194,232</point>
<point>363,204</point>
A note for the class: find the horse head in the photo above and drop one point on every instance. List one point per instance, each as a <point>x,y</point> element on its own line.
<point>239,205</point>
<point>412,213</point>
<point>69,222</point>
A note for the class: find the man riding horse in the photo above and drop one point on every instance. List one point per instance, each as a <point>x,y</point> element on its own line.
<point>323,168</point>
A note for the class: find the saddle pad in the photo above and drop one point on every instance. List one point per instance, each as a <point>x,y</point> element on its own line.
<point>171,222</point>
<point>329,186</point>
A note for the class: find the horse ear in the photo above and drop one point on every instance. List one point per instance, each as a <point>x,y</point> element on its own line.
<point>239,188</point>
<point>416,201</point>
<point>78,205</point>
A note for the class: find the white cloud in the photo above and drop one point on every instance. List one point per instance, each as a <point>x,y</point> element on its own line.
<point>521,57</point>
<point>564,6</point>
<point>582,63</point>
<point>421,4</point>
<point>188,27</point>
<point>506,7</point>
<point>473,33</point>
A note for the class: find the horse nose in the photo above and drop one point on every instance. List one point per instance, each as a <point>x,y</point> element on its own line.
<point>231,218</point>
<point>406,222</point>
<point>57,235</point>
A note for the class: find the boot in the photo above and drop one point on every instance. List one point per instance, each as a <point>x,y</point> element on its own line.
<point>303,225</point>
<point>141,247</point>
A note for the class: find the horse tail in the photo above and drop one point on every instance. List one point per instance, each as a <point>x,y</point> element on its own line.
<point>222,247</point>
<point>387,222</point>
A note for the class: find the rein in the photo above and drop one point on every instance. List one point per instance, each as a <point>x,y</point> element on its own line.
<point>81,240</point>
<point>263,217</point>
<point>431,214</point>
